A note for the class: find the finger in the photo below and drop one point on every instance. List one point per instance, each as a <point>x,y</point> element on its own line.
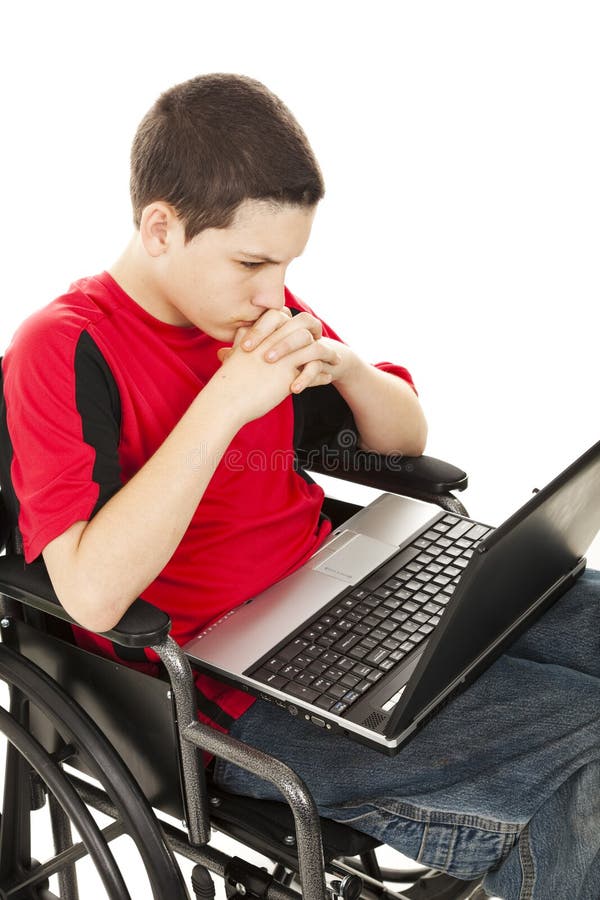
<point>294,341</point>
<point>265,326</point>
<point>224,353</point>
<point>312,375</point>
<point>240,335</point>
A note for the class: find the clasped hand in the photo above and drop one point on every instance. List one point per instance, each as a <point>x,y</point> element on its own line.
<point>281,353</point>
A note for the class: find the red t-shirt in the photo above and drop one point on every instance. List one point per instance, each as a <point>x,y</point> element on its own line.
<point>93,385</point>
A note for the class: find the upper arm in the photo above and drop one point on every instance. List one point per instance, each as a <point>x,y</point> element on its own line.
<point>62,434</point>
<point>59,555</point>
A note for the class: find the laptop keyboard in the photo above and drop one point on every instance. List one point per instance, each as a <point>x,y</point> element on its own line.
<point>360,637</point>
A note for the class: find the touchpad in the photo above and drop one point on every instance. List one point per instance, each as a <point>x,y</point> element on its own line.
<point>350,557</point>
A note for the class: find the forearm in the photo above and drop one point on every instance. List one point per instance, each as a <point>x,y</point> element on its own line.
<point>386,410</point>
<point>103,565</point>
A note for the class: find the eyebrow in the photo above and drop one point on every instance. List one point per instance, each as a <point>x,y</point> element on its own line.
<point>260,256</point>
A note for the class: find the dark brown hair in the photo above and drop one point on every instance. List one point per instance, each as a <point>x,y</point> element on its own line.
<point>212,142</point>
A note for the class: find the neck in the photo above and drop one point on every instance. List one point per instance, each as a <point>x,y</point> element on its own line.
<point>134,273</point>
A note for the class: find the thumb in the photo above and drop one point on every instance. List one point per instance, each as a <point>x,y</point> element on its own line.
<point>224,353</point>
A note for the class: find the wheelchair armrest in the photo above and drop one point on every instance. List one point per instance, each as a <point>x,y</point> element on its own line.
<point>143,625</point>
<point>397,474</point>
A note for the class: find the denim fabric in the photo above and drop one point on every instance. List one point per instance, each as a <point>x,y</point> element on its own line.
<point>505,780</point>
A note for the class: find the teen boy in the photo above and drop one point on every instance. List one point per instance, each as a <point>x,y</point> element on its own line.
<point>131,401</point>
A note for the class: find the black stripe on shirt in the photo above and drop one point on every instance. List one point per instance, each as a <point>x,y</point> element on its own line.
<point>99,405</point>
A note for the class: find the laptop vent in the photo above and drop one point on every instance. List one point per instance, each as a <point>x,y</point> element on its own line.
<point>373,721</point>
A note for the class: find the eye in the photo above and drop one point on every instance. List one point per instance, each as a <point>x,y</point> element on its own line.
<point>250,265</point>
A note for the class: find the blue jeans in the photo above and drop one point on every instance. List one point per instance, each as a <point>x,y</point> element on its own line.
<point>504,781</point>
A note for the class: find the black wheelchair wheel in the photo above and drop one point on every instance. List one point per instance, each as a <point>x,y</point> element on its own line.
<point>34,775</point>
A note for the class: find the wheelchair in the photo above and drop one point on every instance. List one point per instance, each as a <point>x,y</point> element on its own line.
<point>88,733</point>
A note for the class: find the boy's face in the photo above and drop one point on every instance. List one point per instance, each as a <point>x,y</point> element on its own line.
<point>225,278</point>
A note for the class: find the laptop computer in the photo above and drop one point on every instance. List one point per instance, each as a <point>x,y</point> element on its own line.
<point>404,605</point>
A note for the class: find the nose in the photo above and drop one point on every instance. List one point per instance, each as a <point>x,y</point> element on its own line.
<point>270,293</point>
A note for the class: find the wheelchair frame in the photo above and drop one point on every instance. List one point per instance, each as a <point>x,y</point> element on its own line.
<point>35,761</point>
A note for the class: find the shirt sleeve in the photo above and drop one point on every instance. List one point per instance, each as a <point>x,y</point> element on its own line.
<point>322,416</point>
<point>62,430</point>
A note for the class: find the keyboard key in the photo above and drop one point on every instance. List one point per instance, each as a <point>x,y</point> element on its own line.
<point>292,649</point>
<point>317,667</point>
<point>337,691</point>
<point>350,697</point>
<point>442,580</point>
<point>432,608</point>
<point>414,585</point>
<point>421,617</point>
<point>410,606</point>
<point>432,589</point>
<point>377,656</point>
<point>477,532</point>
<point>387,664</point>
<point>324,702</point>
<point>459,529</point>
<point>393,584</point>
<point>346,643</point>
<point>450,519</point>
<point>302,692</point>
<point>424,577</point>
<point>417,637</point>
<point>322,685</point>
<point>345,664</point>
<point>378,634</point>
<point>275,664</point>
<point>270,678</point>
<point>368,643</point>
<point>441,527</point>
<point>302,661</point>
<point>361,670</point>
<point>289,671</point>
<point>424,558</point>
<point>399,616</point>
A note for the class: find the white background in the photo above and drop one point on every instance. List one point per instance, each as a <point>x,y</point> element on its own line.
<point>460,143</point>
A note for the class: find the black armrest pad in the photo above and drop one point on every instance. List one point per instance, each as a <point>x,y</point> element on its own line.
<point>388,473</point>
<point>143,625</point>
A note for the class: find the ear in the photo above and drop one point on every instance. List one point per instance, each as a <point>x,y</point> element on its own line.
<point>159,226</point>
